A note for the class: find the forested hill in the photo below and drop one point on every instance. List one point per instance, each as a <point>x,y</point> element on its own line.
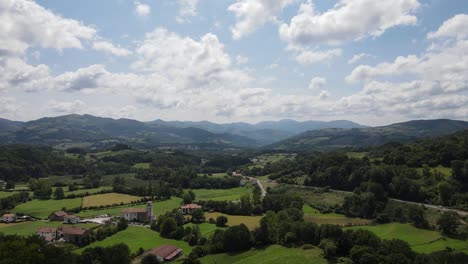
<point>328,139</point>
<point>87,130</point>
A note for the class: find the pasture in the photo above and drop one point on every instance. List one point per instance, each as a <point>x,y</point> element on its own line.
<point>159,208</point>
<point>274,254</point>
<point>130,180</point>
<point>314,216</point>
<point>232,194</point>
<point>250,221</point>
<point>206,229</point>
<point>43,208</point>
<point>29,228</point>
<point>108,199</point>
<point>420,240</point>
<point>136,237</point>
<point>144,165</point>
<point>6,194</point>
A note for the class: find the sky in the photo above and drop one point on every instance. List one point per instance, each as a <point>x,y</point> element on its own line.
<point>372,62</point>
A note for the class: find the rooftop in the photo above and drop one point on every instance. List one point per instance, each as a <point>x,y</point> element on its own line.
<point>167,252</point>
<point>60,213</point>
<point>46,229</point>
<point>73,230</point>
<point>9,215</point>
<point>191,206</point>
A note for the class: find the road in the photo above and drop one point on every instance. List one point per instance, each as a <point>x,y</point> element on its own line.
<point>436,207</point>
<point>259,185</point>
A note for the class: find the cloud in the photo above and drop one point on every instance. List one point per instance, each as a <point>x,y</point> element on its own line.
<point>241,59</point>
<point>25,23</point>
<point>348,20</point>
<point>358,57</point>
<point>8,106</point>
<point>142,10</point>
<point>455,27</point>
<point>75,106</point>
<point>304,56</point>
<point>109,48</point>
<point>317,83</point>
<point>187,8</point>
<point>324,95</point>
<point>252,14</point>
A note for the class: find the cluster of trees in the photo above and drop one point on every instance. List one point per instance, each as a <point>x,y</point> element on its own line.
<point>9,202</point>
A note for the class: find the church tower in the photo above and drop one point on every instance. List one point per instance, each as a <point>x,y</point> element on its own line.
<point>149,211</point>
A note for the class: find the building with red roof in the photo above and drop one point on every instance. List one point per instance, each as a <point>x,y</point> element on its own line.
<point>165,252</point>
<point>189,208</point>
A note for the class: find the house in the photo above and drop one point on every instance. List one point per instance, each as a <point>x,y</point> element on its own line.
<point>49,234</point>
<point>165,252</point>
<point>236,174</point>
<point>71,219</point>
<point>58,216</point>
<point>138,214</point>
<point>76,235</point>
<point>9,218</point>
<point>189,208</point>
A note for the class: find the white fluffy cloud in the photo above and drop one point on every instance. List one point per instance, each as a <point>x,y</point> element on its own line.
<point>317,83</point>
<point>187,8</point>
<point>110,48</point>
<point>24,24</point>
<point>252,14</point>
<point>358,57</point>
<point>142,10</point>
<point>348,20</point>
<point>75,106</point>
<point>454,27</point>
<point>305,56</point>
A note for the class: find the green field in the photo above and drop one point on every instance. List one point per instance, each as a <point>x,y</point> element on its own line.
<point>6,194</point>
<point>108,199</point>
<point>43,208</point>
<point>206,229</point>
<point>315,216</point>
<point>420,240</point>
<point>145,165</point>
<point>356,155</point>
<point>159,208</point>
<point>89,191</point>
<point>250,221</point>
<point>262,160</point>
<point>232,194</point>
<point>272,255</point>
<point>29,228</point>
<point>130,180</point>
<point>443,170</point>
<point>136,237</point>
<point>318,197</point>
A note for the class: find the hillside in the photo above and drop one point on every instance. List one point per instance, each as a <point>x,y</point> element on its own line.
<point>326,139</point>
<point>89,130</point>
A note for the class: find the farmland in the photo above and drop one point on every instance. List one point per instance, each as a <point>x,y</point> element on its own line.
<point>136,237</point>
<point>314,216</point>
<point>272,254</point>
<point>42,208</point>
<point>108,199</point>
<point>420,240</point>
<point>29,228</point>
<point>250,221</point>
<point>222,194</point>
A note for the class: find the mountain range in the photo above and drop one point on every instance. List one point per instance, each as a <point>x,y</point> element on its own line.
<point>286,135</point>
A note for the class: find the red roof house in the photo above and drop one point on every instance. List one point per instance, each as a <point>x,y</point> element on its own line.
<point>165,252</point>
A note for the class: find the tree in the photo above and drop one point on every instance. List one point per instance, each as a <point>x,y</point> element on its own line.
<point>221,221</point>
<point>198,216</point>
<point>122,224</point>
<point>237,238</point>
<point>41,188</point>
<point>448,223</point>
<point>118,185</point>
<point>10,185</point>
<point>150,259</point>
<point>59,194</point>
<point>328,247</point>
<point>187,198</point>
<point>168,225</point>
<point>416,215</point>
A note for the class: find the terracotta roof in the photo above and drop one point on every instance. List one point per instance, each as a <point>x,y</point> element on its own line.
<point>46,229</point>
<point>167,252</point>
<point>60,213</point>
<point>191,206</point>
<point>9,215</point>
<point>73,230</point>
<point>71,216</point>
<point>134,210</point>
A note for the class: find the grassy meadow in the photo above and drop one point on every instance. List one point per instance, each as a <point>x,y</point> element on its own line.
<point>108,199</point>
<point>250,221</point>
<point>29,228</point>
<point>314,216</point>
<point>274,254</point>
<point>232,194</point>
<point>43,208</point>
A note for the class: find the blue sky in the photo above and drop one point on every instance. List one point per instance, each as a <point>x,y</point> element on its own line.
<point>368,61</point>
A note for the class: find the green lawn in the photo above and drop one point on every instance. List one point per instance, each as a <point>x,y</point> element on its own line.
<point>159,208</point>
<point>420,240</point>
<point>315,216</point>
<point>29,228</point>
<point>206,229</point>
<point>6,194</point>
<point>42,208</point>
<point>144,165</point>
<point>272,255</point>
<point>136,237</point>
<point>250,221</point>
<point>222,194</point>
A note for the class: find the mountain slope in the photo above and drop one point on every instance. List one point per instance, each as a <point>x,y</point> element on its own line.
<point>326,139</point>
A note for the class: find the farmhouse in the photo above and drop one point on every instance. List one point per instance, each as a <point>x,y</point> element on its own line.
<point>165,252</point>
<point>71,219</point>
<point>138,214</point>
<point>236,174</point>
<point>73,234</point>
<point>58,216</point>
<point>9,218</point>
<point>49,233</point>
<point>189,208</point>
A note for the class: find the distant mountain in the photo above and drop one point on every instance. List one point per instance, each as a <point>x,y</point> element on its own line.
<point>326,139</point>
<point>264,132</point>
<point>90,130</point>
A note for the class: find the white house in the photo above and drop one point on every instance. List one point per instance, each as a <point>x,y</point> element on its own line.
<point>9,218</point>
<point>49,233</point>
<point>189,208</point>
<point>71,219</point>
